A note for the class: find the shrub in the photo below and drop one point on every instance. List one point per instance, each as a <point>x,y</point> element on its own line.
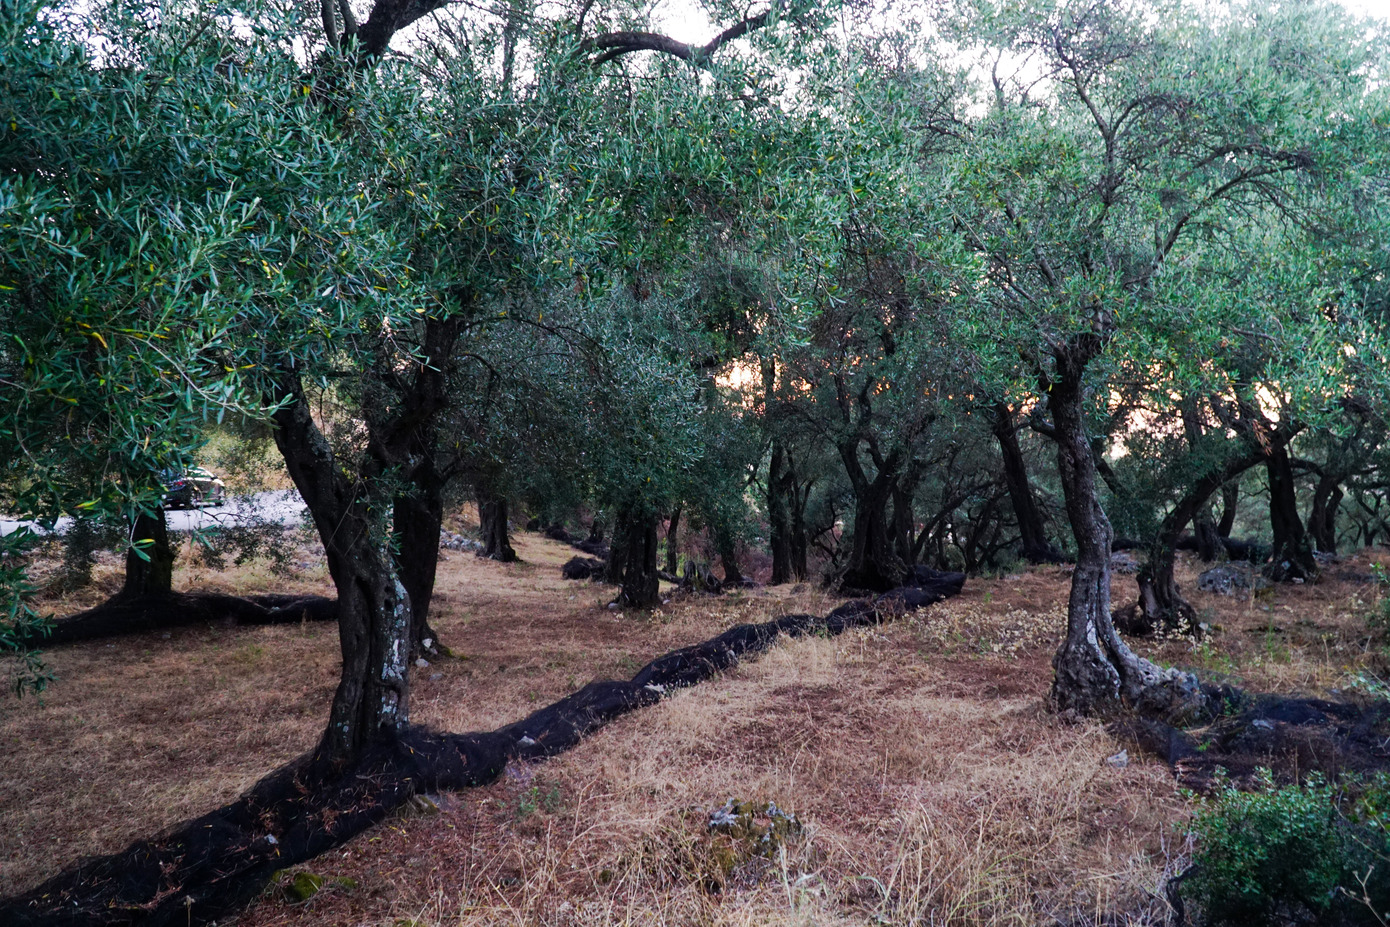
<point>1303,854</point>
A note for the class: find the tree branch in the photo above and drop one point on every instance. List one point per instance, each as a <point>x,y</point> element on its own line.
<point>617,44</point>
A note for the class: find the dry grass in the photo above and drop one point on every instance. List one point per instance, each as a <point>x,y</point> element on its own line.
<point>931,786</point>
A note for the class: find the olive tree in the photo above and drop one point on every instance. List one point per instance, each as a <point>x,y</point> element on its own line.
<point>1113,141</point>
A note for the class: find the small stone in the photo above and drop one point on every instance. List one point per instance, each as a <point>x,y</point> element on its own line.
<point>527,741</point>
<point>435,677</point>
<point>421,662</point>
<point>1119,760</point>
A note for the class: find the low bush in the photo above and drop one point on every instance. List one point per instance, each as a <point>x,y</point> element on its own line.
<point>1303,854</point>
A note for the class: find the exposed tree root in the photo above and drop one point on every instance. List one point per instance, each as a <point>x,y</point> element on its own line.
<point>131,615</point>
<point>213,866</point>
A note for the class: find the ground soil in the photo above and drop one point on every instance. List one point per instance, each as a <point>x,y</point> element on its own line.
<point>929,783</point>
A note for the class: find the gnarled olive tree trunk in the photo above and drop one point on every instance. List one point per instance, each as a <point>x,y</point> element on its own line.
<point>673,541</point>
<point>873,562</point>
<point>1094,670</point>
<point>779,514</point>
<point>635,536</point>
<point>1292,556</point>
<point>493,517</point>
<point>1161,603</point>
<point>374,616</point>
<point>1322,520</point>
<point>1032,531</point>
<point>417,521</point>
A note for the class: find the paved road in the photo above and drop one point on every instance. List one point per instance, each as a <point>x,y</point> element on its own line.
<point>282,506</point>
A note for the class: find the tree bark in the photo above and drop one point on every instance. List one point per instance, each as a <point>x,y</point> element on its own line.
<point>417,520</point>
<point>493,517</point>
<point>779,515</point>
<point>617,551</point>
<point>1322,520</point>
<point>153,573</point>
<point>1094,670</point>
<point>418,508</point>
<point>873,564</point>
<point>1033,532</point>
<point>641,585</point>
<point>1292,556</point>
<point>672,537</point>
<point>903,526</point>
<point>728,557</point>
<point>1230,500</point>
<point>374,616</point>
<point>1161,603</point>
<point>800,541</point>
<point>1209,545</point>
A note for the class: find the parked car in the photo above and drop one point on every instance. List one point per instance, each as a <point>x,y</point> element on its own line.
<point>194,488</point>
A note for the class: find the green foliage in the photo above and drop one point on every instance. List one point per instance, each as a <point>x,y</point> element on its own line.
<point>1313,853</point>
<point>18,619</point>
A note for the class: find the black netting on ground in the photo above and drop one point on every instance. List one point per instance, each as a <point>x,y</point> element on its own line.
<point>176,610</point>
<point>1289,736</point>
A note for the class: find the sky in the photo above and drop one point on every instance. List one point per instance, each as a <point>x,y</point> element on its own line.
<point>1377,8</point>
<point>683,21</point>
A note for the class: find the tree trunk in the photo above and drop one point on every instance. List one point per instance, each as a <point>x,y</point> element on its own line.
<point>799,540</point>
<point>1209,545</point>
<point>149,561</point>
<point>1094,670</point>
<point>641,585</point>
<point>728,557</point>
<point>1292,556</point>
<point>1322,521</point>
<point>616,567</point>
<point>903,526</point>
<point>417,520</point>
<point>374,617</point>
<point>492,515</point>
<point>1161,604</point>
<point>872,564</point>
<point>672,537</point>
<point>1036,547</point>
<point>418,508</point>
<point>779,515</point>
<point>1230,499</point>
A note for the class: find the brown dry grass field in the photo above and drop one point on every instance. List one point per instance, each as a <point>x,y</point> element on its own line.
<point>929,783</point>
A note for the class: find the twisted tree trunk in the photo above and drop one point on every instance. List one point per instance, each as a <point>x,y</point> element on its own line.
<point>1033,532</point>
<point>1094,670</point>
<point>1230,500</point>
<point>779,515</point>
<point>1161,603</point>
<point>640,582</point>
<point>493,518</point>
<point>1292,556</point>
<point>1322,520</point>
<point>371,703</point>
<point>873,563</point>
<point>671,540</point>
